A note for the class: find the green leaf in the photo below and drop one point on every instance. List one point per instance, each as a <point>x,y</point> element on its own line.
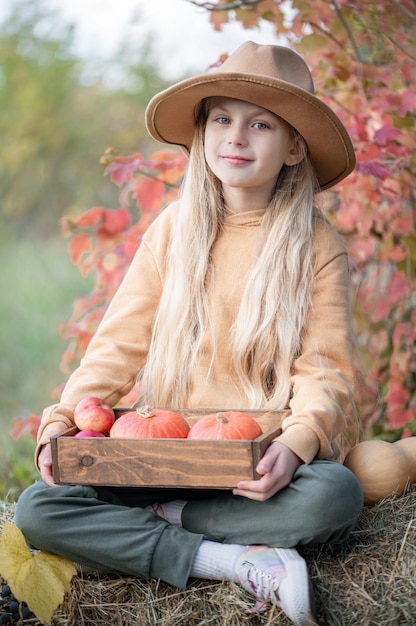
<point>311,43</point>
<point>39,579</point>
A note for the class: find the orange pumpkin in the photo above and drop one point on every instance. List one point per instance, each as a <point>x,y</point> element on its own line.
<point>228,425</point>
<point>148,423</point>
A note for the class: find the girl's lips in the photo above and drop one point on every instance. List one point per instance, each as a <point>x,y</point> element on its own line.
<point>235,160</point>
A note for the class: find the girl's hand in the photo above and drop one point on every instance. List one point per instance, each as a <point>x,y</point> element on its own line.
<point>276,467</point>
<point>45,465</point>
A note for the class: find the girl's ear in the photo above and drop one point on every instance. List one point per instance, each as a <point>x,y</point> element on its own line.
<point>297,152</point>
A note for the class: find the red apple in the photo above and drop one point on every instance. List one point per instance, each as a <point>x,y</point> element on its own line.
<point>89,433</point>
<point>93,414</point>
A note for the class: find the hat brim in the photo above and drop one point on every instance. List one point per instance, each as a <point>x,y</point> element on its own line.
<point>171,116</point>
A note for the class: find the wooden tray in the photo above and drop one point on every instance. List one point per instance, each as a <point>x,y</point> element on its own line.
<point>185,463</point>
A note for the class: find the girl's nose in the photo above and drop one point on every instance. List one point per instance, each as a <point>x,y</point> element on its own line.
<point>236,135</point>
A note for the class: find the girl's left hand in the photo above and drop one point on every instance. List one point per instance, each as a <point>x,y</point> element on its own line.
<point>276,467</point>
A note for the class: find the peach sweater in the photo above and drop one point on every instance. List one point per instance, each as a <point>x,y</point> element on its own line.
<point>322,376</point>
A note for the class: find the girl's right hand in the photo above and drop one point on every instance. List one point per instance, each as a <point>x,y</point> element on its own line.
<point>276,468</point>
<point>45,465</point>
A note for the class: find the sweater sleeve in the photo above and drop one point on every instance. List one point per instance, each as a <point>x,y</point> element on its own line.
<point>118,349</point>
<point>323,375</point>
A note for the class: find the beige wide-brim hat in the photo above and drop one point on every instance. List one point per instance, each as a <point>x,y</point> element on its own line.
<point>273,77</point>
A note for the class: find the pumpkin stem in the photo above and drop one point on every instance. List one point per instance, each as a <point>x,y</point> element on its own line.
<point>144,411</point>
<point>221,419</point>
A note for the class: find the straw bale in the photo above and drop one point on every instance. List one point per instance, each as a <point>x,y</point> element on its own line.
<point>368,580</point>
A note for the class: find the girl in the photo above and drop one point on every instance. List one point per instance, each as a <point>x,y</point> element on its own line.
<point>237,298</point>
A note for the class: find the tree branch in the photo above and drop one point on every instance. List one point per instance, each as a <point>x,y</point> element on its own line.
<point>405,10</point>
<point>237,4</point>
<point>347,30</point>
<point>325,32</point>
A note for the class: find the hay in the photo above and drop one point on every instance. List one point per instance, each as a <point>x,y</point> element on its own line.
<point>369,580</point>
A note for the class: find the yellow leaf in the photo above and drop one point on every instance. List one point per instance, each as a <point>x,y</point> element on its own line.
<point>311,43</point>
<point>39,579</point>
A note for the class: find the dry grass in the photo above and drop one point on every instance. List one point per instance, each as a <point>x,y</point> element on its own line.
<point>368,581</point>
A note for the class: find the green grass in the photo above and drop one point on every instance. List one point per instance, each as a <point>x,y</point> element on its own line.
<point>38,285</point>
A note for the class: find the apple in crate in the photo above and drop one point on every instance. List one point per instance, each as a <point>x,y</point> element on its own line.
<point>89,433</point>
<point>93,414</point>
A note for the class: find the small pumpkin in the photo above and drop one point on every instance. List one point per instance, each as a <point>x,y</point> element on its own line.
<point>408,448</point>
<point>148,423</point>
<point>381,467</point>
<point>227,425</point>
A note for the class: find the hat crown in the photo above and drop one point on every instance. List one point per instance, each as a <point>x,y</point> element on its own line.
<point>276,62</point>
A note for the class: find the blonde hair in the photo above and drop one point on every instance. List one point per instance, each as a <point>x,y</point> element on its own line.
<point>267,334</point>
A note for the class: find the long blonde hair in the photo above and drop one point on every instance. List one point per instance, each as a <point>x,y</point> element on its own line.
<point>267,334</point>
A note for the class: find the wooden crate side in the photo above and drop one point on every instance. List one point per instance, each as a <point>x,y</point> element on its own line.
<point>156,463</point>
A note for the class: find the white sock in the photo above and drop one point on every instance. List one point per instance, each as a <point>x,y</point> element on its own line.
<point>216,561</point>
<point>170,511</point>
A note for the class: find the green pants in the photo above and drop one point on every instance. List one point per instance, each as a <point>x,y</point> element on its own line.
<point>108,529</point>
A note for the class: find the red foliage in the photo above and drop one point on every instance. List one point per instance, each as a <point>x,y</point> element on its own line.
<point>28,426</point>
<point>104,241</point>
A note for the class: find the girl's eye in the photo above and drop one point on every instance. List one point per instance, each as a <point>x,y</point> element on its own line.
<point>221,119</point>
<point>261,125</point>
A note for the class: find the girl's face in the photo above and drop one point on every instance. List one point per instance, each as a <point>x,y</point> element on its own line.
<point>246,147</point>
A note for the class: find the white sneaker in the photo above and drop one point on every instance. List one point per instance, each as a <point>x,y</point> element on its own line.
<point>280,576</point>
